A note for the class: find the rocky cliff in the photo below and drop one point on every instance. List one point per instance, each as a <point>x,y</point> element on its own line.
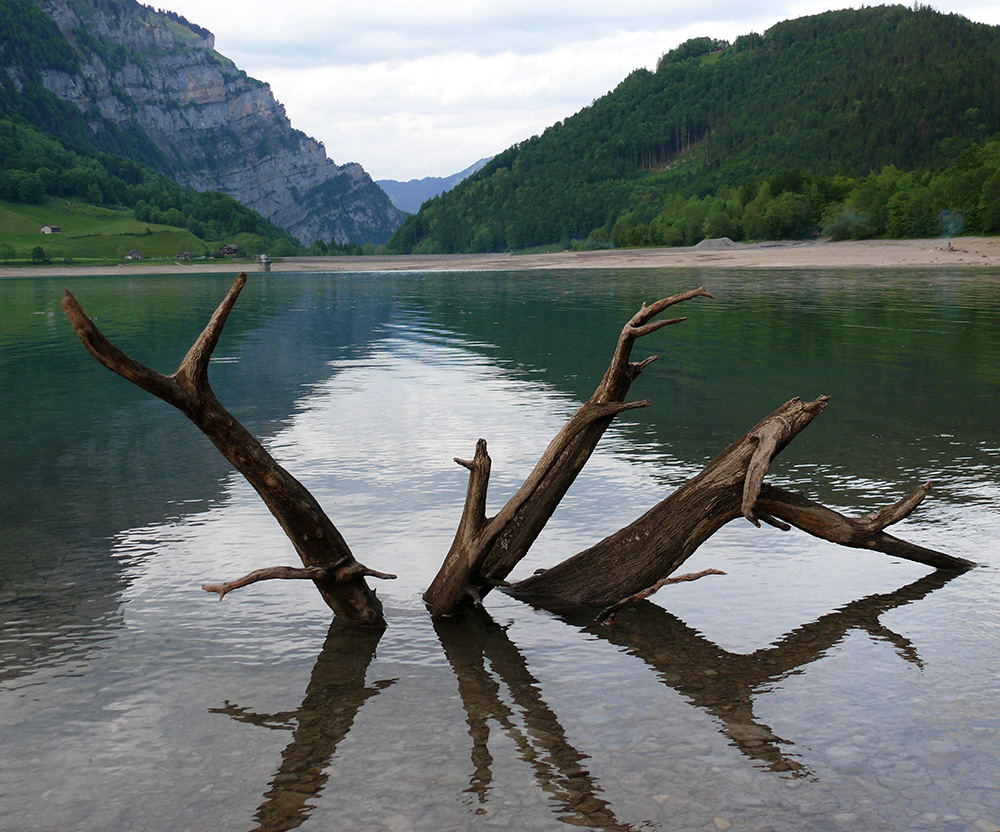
<point>217,128</point>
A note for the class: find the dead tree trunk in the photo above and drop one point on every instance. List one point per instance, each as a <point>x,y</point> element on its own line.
<point>625,567</point>
<point>485,550</point>
<point>634,562</point>
<point>325,554</point>
<point>628,564</point>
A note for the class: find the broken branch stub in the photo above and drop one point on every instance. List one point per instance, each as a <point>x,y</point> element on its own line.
<point>319,544</point>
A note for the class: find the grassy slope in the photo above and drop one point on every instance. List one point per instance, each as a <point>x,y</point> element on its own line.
<point>90,233</point>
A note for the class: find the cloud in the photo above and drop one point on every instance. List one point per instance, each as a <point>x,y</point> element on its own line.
<point>425,89</point>
<point>357,31</point>
<point>436,114</point>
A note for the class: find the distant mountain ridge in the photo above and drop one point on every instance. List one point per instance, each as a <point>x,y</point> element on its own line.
<point>839,94</point>
<point>410,195</point>
<point>130,79</point>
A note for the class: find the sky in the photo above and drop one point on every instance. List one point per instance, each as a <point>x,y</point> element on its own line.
<point>412,89</point>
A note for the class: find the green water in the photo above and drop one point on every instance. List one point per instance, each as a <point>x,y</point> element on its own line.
<point>811,688</point>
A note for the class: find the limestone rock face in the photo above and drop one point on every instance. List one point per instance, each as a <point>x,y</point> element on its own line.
<point>217,128</point>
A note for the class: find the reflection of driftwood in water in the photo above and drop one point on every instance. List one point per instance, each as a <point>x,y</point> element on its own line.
<point>472,639</point>
<point>724,684</point>
<point>484,659</point>
<point>335,694</point>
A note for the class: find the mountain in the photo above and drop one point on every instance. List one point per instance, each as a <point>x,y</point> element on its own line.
<point>410,195</point>
<point>105,202</point>
<point>125,78</point>
<point>809,102</point>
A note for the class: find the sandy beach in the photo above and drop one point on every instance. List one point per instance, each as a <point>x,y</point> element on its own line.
<point>965,252</point>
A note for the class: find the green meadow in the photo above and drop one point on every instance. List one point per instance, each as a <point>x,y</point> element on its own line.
<point>89,234</point>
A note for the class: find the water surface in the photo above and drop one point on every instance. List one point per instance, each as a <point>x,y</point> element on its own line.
<point>812,688</point>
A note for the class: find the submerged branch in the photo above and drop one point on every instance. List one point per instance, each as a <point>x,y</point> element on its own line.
<point>310,573</point>
<point>607,615</point>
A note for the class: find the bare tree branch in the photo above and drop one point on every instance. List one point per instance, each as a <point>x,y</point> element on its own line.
<point>482,556</point>
<point>311,573</point>
<point>863,533</point>
<point>607,615</point>
<point>316,540</point>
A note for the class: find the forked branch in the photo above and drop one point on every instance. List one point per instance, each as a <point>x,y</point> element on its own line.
<point>866,532</point>
<point>625,567</point>
<point>486,550</point>
<point>341,579</point>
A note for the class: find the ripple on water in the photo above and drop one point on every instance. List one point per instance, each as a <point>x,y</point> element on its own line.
<point>809,688</point>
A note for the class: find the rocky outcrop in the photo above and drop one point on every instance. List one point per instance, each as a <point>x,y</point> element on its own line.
<point>217,128</point>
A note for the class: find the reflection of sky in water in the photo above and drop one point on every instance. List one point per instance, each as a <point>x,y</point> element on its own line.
<point>137,734</point>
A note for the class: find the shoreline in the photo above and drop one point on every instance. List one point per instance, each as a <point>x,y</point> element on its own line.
<point>961,252</point>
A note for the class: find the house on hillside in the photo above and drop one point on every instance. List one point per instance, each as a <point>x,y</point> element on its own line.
<point>134,254</point>
<point>228,250</point>
<point>51,229</point>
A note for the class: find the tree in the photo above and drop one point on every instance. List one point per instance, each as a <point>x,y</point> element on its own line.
<point>95,195</point>
<point>31,189</point>
<point>6,253</point>
<point>623,568</point>
<point>38,255</point>
<point>989,205</point>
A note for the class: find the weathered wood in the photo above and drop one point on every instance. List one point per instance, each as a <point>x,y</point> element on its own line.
<point>315,538</point>
<point>638,559</point>
<point>622,569</point>
<point>657,543</point>
<point>607,615</point>
<point>485,550</point>
<point>633,559</point>
<point>310,573</point>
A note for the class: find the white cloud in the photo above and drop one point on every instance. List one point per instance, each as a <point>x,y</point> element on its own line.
<point>425,89</point>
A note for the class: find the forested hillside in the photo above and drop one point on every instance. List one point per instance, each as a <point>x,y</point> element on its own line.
<point>772,135</point>
<point>120,77</point>
<point>31,48</point>
<point>34,166</point>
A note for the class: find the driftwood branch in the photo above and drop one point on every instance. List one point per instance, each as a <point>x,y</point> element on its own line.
<point>631,563</point>
<point>316,540</point>
<point>656,544</point>
<point>770,437</point>
<point>625,567</point>
<point>310,573</point>
<point>485,550</point>
<point>607,615</point>
<point>859,533</point>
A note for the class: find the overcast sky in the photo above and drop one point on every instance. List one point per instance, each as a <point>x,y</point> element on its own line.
<point>413,89</point>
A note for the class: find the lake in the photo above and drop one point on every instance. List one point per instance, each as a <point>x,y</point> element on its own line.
<point>811,688</point>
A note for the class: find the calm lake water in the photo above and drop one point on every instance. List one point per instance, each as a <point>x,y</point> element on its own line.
<point>811,688</point>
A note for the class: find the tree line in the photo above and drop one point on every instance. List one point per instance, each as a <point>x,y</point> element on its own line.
<point>833,96</point>
<point>34,165</point>
<point>964,198</point>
